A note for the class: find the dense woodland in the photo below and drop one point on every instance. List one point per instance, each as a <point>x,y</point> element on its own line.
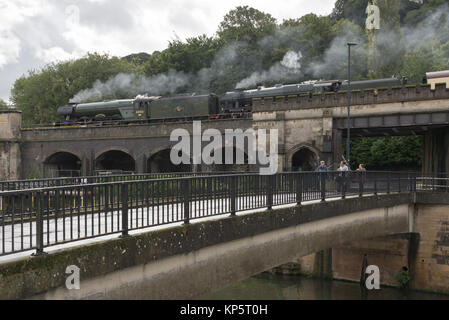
<point>252,45</point>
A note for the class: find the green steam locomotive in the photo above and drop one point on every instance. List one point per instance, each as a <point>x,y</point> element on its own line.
<point>237,103</point>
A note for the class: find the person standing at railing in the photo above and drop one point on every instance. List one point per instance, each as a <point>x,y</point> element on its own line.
<point>322,172</point>
<point>342,176</point>
<point>361,173</point>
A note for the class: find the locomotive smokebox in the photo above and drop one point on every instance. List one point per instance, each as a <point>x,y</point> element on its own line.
<point>67,110</point>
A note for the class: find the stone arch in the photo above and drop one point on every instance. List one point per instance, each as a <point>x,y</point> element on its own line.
<point>115,159</point>
<point>159,161</point>
<point>303,157</point>
<point>62,163</point>
<point>114,148</point>
<point>244,167</point>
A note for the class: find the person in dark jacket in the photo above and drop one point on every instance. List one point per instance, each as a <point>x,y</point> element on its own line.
<point>322,170</point>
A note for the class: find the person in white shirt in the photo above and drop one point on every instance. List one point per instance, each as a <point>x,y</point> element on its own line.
<point>343,167</point>
<point>342,180</point>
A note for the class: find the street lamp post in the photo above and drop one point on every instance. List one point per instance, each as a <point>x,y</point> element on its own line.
<point>348,135</point>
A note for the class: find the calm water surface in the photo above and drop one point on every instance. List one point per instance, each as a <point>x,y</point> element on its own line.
<point>267,286</point>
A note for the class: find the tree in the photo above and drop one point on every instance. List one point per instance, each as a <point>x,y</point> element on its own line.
<point>137,58</point>
<point>311,35</point>
<point>41,92</point>
<point>189,56</point>
<point>3,105</point>
<point>388,153</point>
<point>246,24</point>
<point>352,10</point>
<point>417,14</point>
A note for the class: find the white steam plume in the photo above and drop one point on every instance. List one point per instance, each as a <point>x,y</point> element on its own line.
<point>131,85</point>
<point>289,67</point>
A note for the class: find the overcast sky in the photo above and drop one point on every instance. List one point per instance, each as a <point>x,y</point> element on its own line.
<point>34,33</point>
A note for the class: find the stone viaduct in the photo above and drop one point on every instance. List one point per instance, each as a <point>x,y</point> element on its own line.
<point>310,128</point>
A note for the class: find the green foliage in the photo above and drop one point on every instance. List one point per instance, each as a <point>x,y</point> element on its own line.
<point>190,56</point>
<point>3,105</point>
<point>403,278</point>
<point>312,35</point>
<point>387,153</point>
<point>137,58</point>
<point>35,174</point>
<point>246,24</point>
<point>41,92</point>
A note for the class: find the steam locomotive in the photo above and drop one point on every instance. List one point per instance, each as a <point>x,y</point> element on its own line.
<point>237,103</point>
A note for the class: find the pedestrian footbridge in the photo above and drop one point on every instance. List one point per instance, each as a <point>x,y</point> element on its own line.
<point>183,237</point>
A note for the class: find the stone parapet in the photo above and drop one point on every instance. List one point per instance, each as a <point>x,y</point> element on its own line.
<point>358,97</point>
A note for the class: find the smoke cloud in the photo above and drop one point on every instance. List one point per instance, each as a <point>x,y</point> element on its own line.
<point>289,67</point>
<point>391,46</point>
<point>132,85</point>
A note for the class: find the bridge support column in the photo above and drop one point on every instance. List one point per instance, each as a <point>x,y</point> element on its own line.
<point>85,166</point>
<point>436,151</point>
<point>141,164</point>
<point>10,136</point>
<point>337,138</point>
<point>391,254</point>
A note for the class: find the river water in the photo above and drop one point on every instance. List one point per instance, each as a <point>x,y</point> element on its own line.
<point>267,286</point>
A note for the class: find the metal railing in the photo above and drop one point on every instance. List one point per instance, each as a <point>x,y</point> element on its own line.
<point>8,185</point>
<point>33,219</point>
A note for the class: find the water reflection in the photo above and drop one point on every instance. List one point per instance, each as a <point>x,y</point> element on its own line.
<point>267,286</point>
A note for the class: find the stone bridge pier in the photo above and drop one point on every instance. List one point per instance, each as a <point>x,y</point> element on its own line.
<point>436,151</point>
<point>10,138</point>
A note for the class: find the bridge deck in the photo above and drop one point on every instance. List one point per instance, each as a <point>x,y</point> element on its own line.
<point>36,219</point>
<point>103,226</point>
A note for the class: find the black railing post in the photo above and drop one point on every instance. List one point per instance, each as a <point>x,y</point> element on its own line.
<point>375,183</point>
<point>388,182</point>
<point>124,199</point>
<point>433,181</point>
<point>186,200</point>
<point>322,178</point>
<point>409,180</point>
<point>38,203</point>
<point>399,182</point>
<point>233,193</point>
<point>343,184</point>
<point>360,176</point>
<point>299,178</point>
<point>270,186</point>
<point>414,181</point>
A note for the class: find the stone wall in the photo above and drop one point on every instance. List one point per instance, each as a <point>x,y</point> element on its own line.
<point>432,260</point>
<point>367,97</point>
<point>10,136</point>
<point>425,251</point>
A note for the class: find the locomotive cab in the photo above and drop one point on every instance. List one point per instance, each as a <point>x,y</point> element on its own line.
<point>141,107</point>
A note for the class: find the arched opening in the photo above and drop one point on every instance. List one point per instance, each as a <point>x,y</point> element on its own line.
<point>62,164</point>
<point>115,161</point>
<point>304,160</point>
<point>234,166</point>
<point>160,162</point>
